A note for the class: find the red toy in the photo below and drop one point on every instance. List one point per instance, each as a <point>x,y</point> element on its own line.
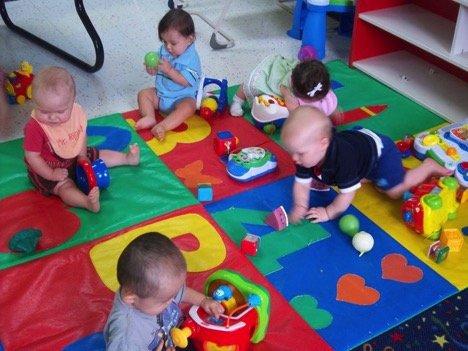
<point>405,146</point>
<point>250,244</point>
<point>18,83</point>
<point>224,142</point>
<point>247,308</point>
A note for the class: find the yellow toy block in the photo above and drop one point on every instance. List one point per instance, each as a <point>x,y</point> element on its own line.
<point>453,238</point>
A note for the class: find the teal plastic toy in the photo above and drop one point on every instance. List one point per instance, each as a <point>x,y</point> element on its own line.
<point>25,241</point>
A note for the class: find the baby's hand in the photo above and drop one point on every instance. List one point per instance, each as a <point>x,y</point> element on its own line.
<point>284,91</point>
<point>164,66</point>
<point>59,174</point>
<point>152,71</point>
<point>317,215</point>
<point>289,99</point>
<point>212,307</point>
<point>297,213</point>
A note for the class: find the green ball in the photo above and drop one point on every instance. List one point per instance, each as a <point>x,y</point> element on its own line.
<point>269,128</point>
<point>349,225</point>
<point>151,59</point>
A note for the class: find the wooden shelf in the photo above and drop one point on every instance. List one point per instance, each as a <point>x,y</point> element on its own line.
<point>437,90</point>
<point>421,28</point>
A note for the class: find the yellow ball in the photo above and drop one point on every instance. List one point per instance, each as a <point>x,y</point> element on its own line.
<point>20,99</point>
<point>430,140</point>
<point>210,103</point>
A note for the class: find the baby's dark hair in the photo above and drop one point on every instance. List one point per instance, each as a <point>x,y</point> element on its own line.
<point>179,20</point>
<point>306,76</point>
<point>147,262</point>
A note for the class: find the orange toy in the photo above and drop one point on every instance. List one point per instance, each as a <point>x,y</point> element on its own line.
<point>453,238</point>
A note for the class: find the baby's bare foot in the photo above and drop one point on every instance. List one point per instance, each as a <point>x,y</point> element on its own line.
<point>93,200</point>
<point>133,155</point>
<point>145,122</point>
<point>159,132</point>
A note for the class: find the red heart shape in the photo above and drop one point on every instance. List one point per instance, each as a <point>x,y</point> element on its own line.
<point>395,267</point>
<point>352,288</point>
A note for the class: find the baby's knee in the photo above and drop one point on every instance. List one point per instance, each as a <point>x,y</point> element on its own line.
<point>146,93</point>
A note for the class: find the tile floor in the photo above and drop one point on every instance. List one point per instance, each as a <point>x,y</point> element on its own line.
<point>127,30</point>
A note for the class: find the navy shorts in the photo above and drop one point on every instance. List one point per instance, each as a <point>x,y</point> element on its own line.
<point>388,172</point>
<point>46,187</point>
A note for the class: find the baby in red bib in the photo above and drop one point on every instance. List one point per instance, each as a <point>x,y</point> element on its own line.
<point>55,139</point>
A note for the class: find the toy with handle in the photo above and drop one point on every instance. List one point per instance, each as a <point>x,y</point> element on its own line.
<point>222,98</point>
<point>245,320</point>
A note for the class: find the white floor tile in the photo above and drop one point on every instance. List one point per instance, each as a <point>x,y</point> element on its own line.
<point>128,30</point>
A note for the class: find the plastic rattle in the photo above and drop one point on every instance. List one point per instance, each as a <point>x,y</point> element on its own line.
<point>89,175</point>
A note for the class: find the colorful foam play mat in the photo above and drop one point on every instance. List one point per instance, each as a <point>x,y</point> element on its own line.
<point>57,291</point>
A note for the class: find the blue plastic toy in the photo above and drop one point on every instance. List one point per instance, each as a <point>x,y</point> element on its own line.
<point>310,21</point>
<point>89,175</point>
<point>205,192</point>
<point>251,163</point>
<point>222,97</point>
<point>222,293</point>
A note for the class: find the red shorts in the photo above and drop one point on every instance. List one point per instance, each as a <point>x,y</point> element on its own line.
<point>46,187</point>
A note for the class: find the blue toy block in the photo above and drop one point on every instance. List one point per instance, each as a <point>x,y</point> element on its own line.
<point>205,192</point>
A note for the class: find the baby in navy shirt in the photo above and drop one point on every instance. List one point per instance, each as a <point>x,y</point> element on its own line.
<point>344,159</point>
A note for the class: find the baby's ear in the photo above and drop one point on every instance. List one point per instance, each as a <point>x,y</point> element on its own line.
<point>324,142</point>
<point>128,297</point>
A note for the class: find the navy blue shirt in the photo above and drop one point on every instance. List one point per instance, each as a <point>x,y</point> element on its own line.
<point>350,157</point>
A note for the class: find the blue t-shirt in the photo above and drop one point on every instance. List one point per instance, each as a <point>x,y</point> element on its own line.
<point>188,64</point>
<point>130,329</point>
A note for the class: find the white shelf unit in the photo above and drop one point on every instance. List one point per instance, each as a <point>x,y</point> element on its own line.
<point>432,87</point>
<point>421,28</point>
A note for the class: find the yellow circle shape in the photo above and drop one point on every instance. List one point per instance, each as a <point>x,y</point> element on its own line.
<point>430,140</point>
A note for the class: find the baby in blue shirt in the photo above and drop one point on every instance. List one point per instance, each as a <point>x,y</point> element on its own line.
<point>177,76</point>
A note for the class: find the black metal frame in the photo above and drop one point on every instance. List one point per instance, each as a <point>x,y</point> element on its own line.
<point>80,9</point>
